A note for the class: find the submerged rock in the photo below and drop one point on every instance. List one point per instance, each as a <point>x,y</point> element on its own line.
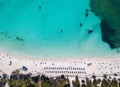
<point>107,36</point>
<point>90,31</point>
<point>109,13</point>
<point>19,39</point>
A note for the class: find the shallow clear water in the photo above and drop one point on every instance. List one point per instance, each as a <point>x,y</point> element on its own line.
<point>50,28</point>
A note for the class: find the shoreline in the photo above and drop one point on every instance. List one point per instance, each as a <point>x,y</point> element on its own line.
<point>16,56</point>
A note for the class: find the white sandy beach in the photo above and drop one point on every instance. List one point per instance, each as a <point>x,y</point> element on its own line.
<point>53,67</point>
<point>97,66</point>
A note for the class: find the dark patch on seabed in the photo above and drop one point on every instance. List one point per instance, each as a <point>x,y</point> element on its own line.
<point>106,35</point>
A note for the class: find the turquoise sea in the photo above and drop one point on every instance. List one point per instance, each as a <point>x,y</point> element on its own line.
<point>50,28</point>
